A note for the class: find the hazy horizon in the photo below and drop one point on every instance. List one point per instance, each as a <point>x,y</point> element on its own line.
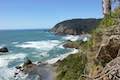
<point>26,29</point>
<point>37,14</point>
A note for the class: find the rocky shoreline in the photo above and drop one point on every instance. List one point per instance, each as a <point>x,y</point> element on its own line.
<point>40,70</point>
<point>35,71</point>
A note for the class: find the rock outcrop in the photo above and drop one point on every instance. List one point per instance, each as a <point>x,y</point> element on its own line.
<point>75,26</point>
<point>110,72</point>
<point>70,45</point>
<point>110,46</point>
<point>4,49</point>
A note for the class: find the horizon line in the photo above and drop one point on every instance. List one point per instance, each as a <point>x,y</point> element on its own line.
<point>26,29</point>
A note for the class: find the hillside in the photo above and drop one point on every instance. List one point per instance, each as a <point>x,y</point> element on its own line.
<point>75,26</point>
<point>98,58</point>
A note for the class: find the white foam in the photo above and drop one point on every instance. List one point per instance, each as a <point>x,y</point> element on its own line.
<point>71,37</point>
<point>42,47</point>
<point>14,42</point>
<point>83,37</point>
<point>5,59</point>
<point>3,62</point>
<point>54,60</point>
<point>6,73</point>
<point>39,44</point>
<point>61,46</point>
<point>44,54</point>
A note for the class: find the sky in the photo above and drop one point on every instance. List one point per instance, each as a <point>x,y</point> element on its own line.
<point>38,14</point>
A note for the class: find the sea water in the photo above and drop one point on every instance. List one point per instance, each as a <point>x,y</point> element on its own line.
<point>37,45</point>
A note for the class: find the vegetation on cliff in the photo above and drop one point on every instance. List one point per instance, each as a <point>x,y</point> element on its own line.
<point>72,67</point>
<point>72,44</point>
<point>76,66</point>
<point>111,19</point>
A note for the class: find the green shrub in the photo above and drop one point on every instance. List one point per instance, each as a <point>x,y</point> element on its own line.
<point>111,19</point>
<point>116,13</point>
<point>72,67</point>
<point>108,21</point>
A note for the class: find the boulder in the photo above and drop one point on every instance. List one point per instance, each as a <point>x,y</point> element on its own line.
<point>27,62</point>
<point>70,45</point>
<point>4,49</point>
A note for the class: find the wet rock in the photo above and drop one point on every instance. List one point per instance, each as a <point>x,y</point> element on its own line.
<point>4,49</point>
<point>18,67</point>
<point>27,62</point>
<point>71,45</point>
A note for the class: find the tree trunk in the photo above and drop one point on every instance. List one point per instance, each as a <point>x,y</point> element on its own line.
<point>106,7</point>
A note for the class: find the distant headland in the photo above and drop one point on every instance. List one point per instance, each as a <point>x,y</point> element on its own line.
<point>75,26</point>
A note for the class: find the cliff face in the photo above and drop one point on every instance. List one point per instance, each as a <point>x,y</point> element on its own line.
<point>102,63</point>
<point>110,45</point>
<point>75,26</point>
<point>102,51</point>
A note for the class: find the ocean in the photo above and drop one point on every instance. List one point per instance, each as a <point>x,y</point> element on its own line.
<point>37,45</point>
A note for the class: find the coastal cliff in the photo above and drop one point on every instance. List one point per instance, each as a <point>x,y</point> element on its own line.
<point>98,58</point>
<point>75,26</point>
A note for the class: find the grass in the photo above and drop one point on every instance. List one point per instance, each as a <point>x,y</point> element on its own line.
<point>72,67</point>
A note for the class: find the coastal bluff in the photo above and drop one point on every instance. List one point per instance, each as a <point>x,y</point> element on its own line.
<point>75,26</point>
